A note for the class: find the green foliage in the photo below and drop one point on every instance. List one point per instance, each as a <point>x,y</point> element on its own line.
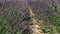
<point>54,22</point>
<point>7,21</point>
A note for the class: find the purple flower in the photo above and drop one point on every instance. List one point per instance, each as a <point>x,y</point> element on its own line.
<point>28,2</point>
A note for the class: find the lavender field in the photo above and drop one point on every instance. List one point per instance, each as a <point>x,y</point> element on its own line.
<point>29,16</point>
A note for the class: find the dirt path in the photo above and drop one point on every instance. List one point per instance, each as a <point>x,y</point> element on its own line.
<point>35,26</point>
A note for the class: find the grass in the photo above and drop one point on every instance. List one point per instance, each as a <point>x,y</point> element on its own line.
<point>7,21</point>
<point>54,22</point>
